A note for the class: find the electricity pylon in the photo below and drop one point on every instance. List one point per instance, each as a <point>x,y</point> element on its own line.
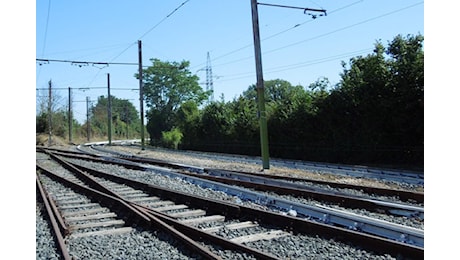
<point>209,83</point>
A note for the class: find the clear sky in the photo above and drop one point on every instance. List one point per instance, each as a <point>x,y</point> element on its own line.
<point>295,47</point>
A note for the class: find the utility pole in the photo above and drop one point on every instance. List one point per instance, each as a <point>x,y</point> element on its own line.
<point>109,110</point>
<point>141,95</point>
<point>260,87</point>
<point>88,129</point>
<point>49,113</point>
<point>260,81</point>
<point>70,116</point>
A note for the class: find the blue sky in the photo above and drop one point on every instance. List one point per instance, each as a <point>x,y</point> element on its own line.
<point>295,47</point>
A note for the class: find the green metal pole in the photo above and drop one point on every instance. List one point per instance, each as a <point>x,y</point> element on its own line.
<point>141,95</point>
<point>70,115</point>
<point>109,110</point>
<point>260,87</point>
<point>88,130</point>
<point>49,113</point>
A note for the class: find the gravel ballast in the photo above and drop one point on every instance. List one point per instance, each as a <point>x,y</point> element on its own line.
<point>127,247</point>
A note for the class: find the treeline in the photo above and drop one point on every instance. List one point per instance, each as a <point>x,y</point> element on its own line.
<point>125,121</point>
<point>374,115</point>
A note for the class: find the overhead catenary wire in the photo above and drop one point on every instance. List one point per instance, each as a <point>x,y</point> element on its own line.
<point>46,35</point>
<point>241,48</point>
<point>268,70</point>
<point>321,35</point>
<point>294,66</point>
<point>149,30</point>
<point>166,17</point>
<point>46,28</point>
<point>277,34</point>
<point>111,62</point>
<point>87,62</point>
<point>346,27</point>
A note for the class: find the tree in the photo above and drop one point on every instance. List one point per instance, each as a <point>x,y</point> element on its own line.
<point>407,70</point>
<point>188,121</point>
<point>166,86</point>
<point>376,111</point>
<point>59,115</point>
<point>125,118</point>
<point>216,122</point>
<point>245,122</point>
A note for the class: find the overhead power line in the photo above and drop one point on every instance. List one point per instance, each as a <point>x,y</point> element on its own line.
<point>84,63</point>
<point>294,66</point>
<point>279,33</point>
<point>151,29</point>
<point>46,33</point>
<point>46,27</point>
<point>93,63</point>
<point>156,25</point>
<point>315,37</point>
<point>346,27</point>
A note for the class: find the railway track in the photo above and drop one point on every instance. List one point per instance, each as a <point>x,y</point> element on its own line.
<point>357,171</point>
<point>300,187</point>
<point>80,216</point>
<point>392,201</point>
<point>184,209</point>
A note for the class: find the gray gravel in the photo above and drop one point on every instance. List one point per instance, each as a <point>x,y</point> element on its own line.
<point>44,241</point>
<point>134,245</point>
<point>137,244</point>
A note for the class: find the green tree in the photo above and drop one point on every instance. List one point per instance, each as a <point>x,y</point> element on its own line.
<point>58,117</point>
<point>407,92</point>
<point>245,123</point>
<point>166,86</point>
<point>125,118</point>
<point>216,122</point>
<point>188,121</point>
<point>376,111</point>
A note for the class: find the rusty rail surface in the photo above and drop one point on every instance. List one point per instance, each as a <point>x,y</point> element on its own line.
<point>62,248</point>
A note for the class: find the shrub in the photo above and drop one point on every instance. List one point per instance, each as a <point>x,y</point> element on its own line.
<point>172,138</point>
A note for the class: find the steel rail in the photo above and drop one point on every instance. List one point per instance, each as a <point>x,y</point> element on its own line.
<point>94,184</point>
<point>130,214</point>
<point>172,228</point>
<point>291,163</point>
<point>287,188</point>
<point>60,221</point>
<point>198,234</point>
<point>257,181</point>
<point>403,195</point>
<point>266,179</point>
<point>52,217</point>
<point>404,176</point>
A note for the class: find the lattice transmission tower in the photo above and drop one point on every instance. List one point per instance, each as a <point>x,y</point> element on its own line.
<point>209,83</point>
